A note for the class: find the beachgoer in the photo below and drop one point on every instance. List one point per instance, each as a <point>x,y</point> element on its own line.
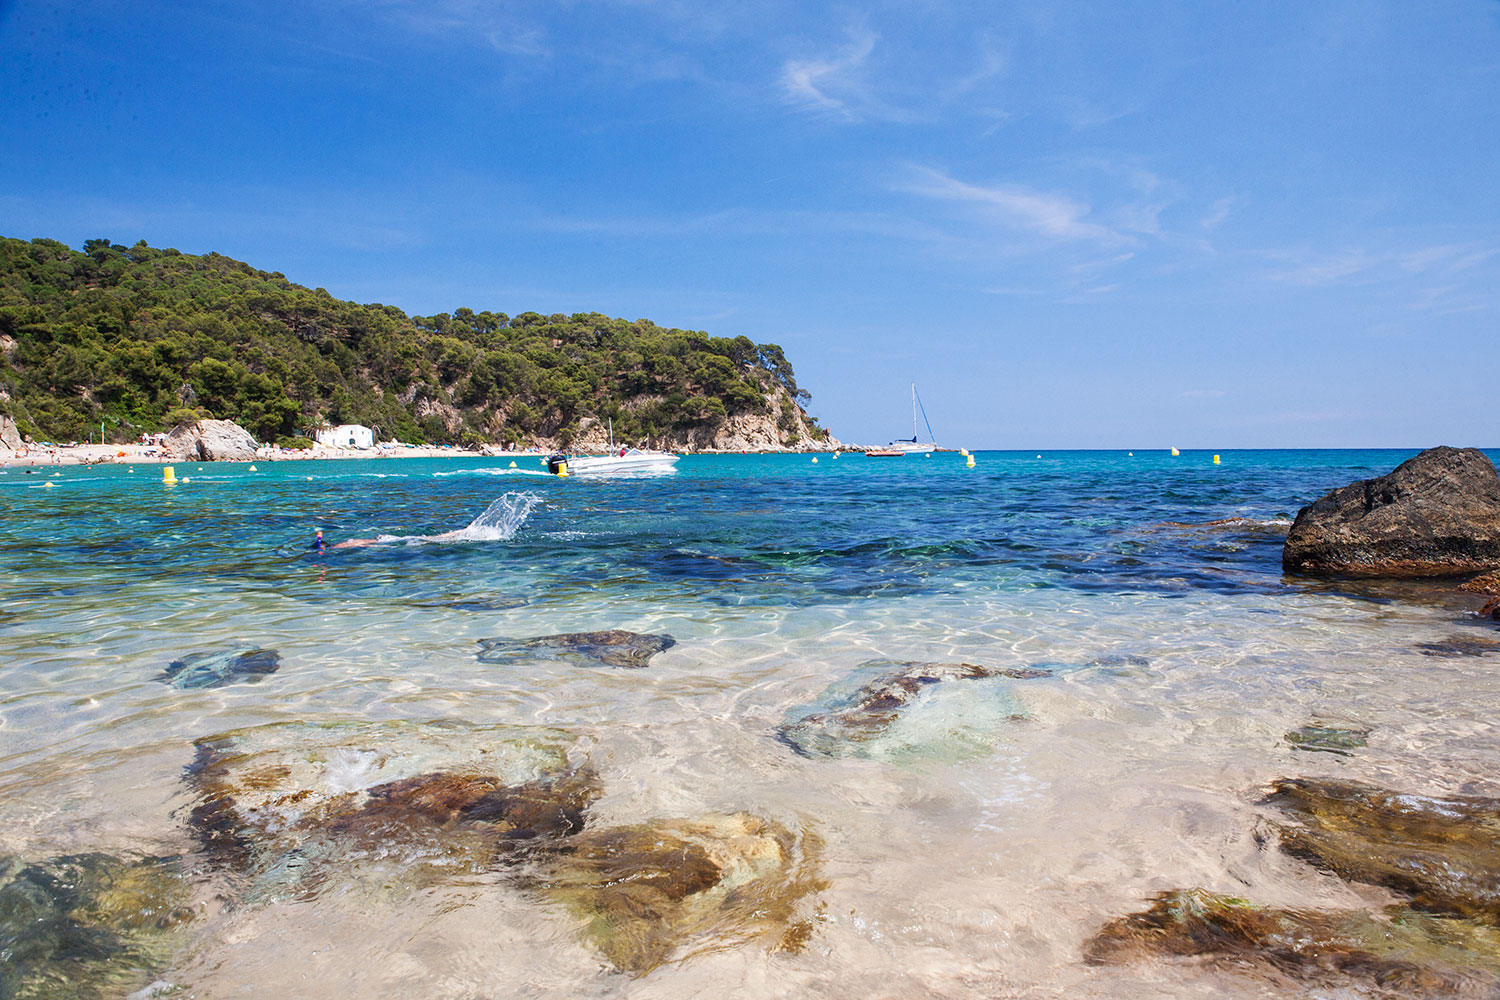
<point>320,545</point>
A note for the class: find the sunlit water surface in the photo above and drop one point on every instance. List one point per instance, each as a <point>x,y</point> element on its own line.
<point>969,852</point>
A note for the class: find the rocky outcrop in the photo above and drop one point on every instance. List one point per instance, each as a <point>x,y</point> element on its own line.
<point>211,441</point>
<point>783,426</point>
<point>1437,514</point>
<point>10,435</point>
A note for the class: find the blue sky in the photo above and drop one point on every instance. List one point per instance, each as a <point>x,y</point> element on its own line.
<point>1213,225</point>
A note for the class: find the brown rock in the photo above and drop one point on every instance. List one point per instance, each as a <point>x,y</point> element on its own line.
<point>1443,852</point>
<point>1395,953</point>
<point>656,891</point>
<point>1437,514</point>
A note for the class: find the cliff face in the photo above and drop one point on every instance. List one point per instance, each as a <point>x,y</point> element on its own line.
<point>784,426</point>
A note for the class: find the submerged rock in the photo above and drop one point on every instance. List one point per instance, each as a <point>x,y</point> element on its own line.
<point>613,648</point>
<point>1459,646</point>
<point>1437,514</point>
<point>87,926</point>
<point>865,713</point>
<point>288,804</point>
<point>211,670</point>
<point>1443,852</point>
<point>478,603</point>
<point>1328,739</point>
<point>1397,952</point>
<point>665,889</point>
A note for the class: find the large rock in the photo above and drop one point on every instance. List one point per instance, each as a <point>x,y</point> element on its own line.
<point>211,441</point>
<point>10,436</point>
<point>1437,514</point>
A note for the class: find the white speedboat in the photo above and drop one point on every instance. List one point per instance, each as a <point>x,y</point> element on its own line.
<point>620,460</point>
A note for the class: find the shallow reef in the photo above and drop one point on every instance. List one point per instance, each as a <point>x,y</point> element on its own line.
<point>88,926</point>
<point>292,810</point>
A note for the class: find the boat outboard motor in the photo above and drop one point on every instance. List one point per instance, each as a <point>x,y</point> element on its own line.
<point>557,464</point>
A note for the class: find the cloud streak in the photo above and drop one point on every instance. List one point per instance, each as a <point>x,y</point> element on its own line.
<point>1039,213</point>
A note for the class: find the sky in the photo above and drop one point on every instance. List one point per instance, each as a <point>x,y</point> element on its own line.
<point>1071,224</point>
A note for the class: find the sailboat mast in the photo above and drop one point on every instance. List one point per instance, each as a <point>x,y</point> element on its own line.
<point>914,413</point>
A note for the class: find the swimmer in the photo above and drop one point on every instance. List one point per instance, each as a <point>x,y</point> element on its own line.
<point>320,546</point>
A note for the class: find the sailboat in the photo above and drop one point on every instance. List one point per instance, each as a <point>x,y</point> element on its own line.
<point>913,443</point>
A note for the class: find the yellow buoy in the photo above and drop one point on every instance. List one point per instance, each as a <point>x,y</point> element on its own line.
<point>1130,454</point>
<point>513,463</point>
<point>963,451</point>
<point>1175,452</point>
<point>49,485</point>
<point>1216,459</point>
<point>56,474</point>
<point>928,455</point>
<point>1039,456</point>
<point>970,462</point>
<point>169,474</point>
<point>835,454</point>
<point>815,460</point>
<point>253,468</point>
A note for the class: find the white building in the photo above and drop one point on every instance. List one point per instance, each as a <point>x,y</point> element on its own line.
<point>347,436</point>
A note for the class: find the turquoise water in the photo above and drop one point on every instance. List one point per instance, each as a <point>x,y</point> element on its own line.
<point>969,850</point>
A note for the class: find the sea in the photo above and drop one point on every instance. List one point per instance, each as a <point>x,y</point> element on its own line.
<point>1147,662</point>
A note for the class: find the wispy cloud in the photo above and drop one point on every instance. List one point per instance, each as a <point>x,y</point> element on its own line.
<point>832,85</point>
<point>1039,213</point>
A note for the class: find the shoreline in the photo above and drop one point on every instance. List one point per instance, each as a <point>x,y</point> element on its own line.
<point>37,456</point>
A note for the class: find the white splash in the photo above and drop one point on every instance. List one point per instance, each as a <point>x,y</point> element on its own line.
<point>500,522</point>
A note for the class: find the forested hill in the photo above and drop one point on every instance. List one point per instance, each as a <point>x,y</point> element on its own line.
<point>140,338</point>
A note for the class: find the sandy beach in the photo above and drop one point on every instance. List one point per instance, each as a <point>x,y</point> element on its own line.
<point>127,454</point>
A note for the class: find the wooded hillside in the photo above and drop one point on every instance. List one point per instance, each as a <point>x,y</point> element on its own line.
<point>139,338</point>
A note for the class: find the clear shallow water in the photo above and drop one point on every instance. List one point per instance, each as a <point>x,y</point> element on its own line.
<point>968,852</point>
